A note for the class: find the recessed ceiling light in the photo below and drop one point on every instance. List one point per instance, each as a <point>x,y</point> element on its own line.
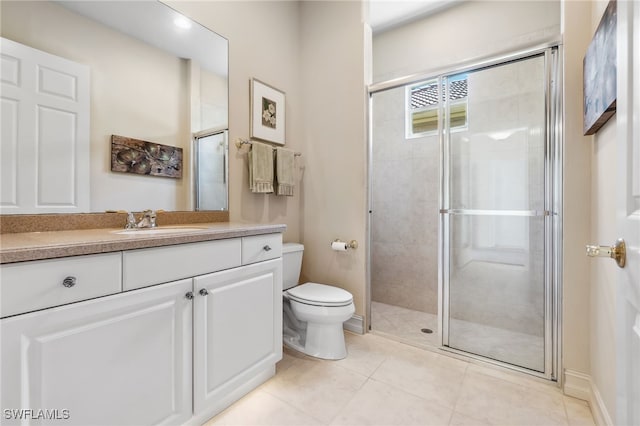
<point>182,22</point>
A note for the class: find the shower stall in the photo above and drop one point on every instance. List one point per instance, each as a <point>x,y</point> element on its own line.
<point>464,221</point>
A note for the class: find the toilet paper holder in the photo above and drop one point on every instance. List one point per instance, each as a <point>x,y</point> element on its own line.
<point>353,244</point>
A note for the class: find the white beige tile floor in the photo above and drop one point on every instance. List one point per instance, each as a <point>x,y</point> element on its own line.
<point>384,382</point>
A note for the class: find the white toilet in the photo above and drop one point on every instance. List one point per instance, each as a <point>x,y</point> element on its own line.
<point>313,313</point>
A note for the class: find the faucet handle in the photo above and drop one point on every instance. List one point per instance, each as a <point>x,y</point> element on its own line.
<point>131,221</point>
<point>152,218</point>
<point>147,220</point>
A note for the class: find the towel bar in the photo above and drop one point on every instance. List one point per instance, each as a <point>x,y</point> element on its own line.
<point>241,142</point>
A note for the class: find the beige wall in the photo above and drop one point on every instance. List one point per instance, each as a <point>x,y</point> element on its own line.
<point>577,198</point>
<point>603,272</point>
<point>332,69</point>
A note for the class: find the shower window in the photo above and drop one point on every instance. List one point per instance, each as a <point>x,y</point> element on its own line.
<point>424,106</point>
<point>423,109</point>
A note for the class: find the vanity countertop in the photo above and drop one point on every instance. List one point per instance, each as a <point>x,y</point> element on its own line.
<point>25,246</point>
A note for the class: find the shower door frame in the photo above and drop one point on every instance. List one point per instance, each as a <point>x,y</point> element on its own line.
<point>553,175</point>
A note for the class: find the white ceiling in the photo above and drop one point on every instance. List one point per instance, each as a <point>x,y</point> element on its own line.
<point>153,23</point>
<point>386,14</point>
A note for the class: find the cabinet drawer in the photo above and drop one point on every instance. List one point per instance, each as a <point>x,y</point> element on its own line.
<point>261,247</point>
<point>30,286</point>
<point>158,265</point>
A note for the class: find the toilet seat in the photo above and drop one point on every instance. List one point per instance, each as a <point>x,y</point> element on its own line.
<point>320,295</point>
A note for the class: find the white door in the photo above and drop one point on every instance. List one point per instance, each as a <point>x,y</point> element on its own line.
<point>237,333</point>
<point>44,150</point>
<point>118,360</point>
<point>628,213</point>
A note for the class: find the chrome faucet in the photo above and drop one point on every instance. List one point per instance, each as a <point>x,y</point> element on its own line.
<point>147,220</point>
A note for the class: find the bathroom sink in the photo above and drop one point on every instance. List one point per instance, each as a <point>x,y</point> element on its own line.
<point>160,230</point>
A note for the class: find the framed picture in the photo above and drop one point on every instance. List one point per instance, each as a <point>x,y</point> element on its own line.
<point>130,155</point>
<point>267,113</point>
<point>600,73</point>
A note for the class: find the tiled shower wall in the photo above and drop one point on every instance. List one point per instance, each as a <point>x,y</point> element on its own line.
<point>404,222</point>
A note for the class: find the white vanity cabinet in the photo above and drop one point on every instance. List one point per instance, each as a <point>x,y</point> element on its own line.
<point>169,335</point>
<point>237,333</point>
<point>118,360</point>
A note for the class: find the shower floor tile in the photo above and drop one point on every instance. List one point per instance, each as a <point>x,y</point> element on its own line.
<point>405,324</point>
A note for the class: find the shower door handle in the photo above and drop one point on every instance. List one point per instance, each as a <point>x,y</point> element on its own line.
<point>484,212</point>
<point>618,252</point>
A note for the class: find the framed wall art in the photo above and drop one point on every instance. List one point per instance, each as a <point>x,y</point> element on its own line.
<point>130,155</point>
<point>267,113</point>
<point>600,73</point>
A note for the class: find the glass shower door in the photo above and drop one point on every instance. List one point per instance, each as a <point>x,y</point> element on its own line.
<point>494,215</point>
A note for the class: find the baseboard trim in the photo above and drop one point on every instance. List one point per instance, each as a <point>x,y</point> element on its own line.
<point>598,409</point>
<point>355,324</point>
<point>577,385</point>
<point>580,385</point>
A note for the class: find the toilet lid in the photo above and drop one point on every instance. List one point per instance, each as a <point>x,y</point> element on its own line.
<point>320,295</point>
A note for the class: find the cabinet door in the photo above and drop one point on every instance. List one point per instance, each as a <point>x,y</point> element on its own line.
<point>118,360</point>
<point>237,333</point>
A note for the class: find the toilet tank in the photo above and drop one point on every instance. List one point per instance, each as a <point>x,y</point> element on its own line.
<point>291,264</point>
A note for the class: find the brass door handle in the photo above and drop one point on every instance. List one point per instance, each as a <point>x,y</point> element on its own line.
<point>618,251</point>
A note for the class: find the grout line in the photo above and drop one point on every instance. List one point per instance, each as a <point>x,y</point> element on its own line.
<point>384,359</point>
<point>341,410</point>
<point>459,394</point>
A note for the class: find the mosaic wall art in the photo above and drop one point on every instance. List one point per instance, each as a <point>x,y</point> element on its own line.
<point>130,155</point>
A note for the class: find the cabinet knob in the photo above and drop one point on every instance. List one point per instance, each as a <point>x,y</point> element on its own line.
<point>266,248</point>
<point>203,292</point>
<point>189,295</point>
<point>69,282</point>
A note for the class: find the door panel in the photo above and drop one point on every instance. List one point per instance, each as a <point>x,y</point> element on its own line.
<point>497,296</point>
<point>628,214</point>
<point>496,216</point>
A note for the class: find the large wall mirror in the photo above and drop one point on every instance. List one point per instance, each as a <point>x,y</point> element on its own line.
<point>152,75</point>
